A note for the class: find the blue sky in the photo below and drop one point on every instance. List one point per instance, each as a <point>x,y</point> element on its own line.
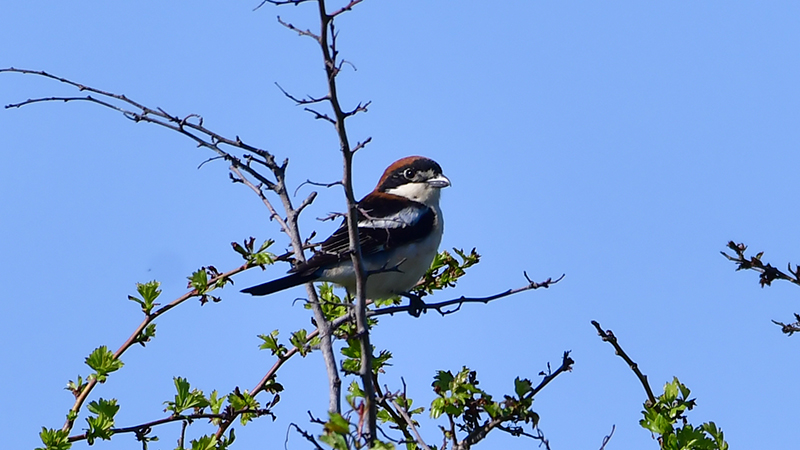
<point>620,143</point>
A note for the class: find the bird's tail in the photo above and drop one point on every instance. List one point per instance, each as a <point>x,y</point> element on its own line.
<point>291,280</point>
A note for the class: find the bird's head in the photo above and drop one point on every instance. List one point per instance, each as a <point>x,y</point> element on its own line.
<point>414,177</point>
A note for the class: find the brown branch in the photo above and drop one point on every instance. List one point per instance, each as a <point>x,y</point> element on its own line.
<point>299,31</point>
<point>81,396</point>
<point>232,415</point>
<point>201,135</point>
<point>609,337</point>
<point>326,38</point>
<point>204,137</point>
<point>384,401</point>
<point>407,418</point>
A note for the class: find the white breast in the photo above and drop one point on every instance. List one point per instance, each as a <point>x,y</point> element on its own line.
<point>394,272</point>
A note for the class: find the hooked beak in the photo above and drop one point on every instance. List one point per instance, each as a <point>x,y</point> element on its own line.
<point>439,182</point>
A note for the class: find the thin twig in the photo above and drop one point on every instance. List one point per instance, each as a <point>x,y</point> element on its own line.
<point>81,396</point>
<point>177,418</point>
<point>410,423</point>
<point>440,306</point>
<point>609,337</point>
<point>607,437</point>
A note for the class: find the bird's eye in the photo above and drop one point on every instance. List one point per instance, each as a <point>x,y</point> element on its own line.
<point>409,173</point>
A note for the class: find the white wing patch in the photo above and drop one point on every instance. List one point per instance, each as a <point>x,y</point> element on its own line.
<point>405,217</point>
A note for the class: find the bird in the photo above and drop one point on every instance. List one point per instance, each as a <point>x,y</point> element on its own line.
<point>400,226</point>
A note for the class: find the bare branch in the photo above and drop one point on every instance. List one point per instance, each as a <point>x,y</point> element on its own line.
<point>609,337</point>
<point>315,183</point>
<point>308,436</point>
<point>360,145</point>
<point>309,100</point>
<point>359,108</point>
<point>257,189</point>
<point>566,366</point>
<point>440,307</point>
<point>346,8</point>
<point>608,437</point>
<point>299,31</point>
<point>410,423</point>
<point>320,116</point>
<point>211,140</point>
<point>280,3</point>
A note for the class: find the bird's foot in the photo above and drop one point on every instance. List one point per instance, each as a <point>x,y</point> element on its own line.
<point>416,306</point>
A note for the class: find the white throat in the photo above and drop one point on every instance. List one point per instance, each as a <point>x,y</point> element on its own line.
<point>418,192</point>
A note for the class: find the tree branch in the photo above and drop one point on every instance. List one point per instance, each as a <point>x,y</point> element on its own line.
<point>440,306</point>
<point>80,396</point>
<point>204,137</point>
<point>609,337</point>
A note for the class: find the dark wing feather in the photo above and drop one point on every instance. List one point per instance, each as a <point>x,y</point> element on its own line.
<point>385,222</point>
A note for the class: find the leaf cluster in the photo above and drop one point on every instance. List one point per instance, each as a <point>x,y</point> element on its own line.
<point>666,418</point>
<point>465,404</point>
<point>446,270</point>
<point>257,257</point>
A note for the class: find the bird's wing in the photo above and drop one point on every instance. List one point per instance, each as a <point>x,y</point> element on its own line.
<point>385,222</point>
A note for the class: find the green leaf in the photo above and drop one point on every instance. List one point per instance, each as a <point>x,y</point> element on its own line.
<point>54,439</point>
<point>243,401</point>
<point>104,407</point>
<point>199,280</point>
<point>353,392</point>
<point>381,360</point>
<point>299,340</point>
<point>146,335</point>
<point>378,445</point>
<point>215,403</point>
<point>100,425</point>
<point>716,434</point>
<point>437,407</point>
<point>337,424</point>
<point>671,391</point>
<point>522,387</point>
<point>257,257</point>
<point>270,342</point>
<point>445,270</point>
<point>103,362</point>
<point>493,409</point>
<point>76,387</point>
<point>149,292</point>
<point>336,441</point>
<point>185,398</point>
<point>204,443</point>
<point>442,381</point>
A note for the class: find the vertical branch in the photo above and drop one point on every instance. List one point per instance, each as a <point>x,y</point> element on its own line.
<point>323,325</point>
<point>327,40</point>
